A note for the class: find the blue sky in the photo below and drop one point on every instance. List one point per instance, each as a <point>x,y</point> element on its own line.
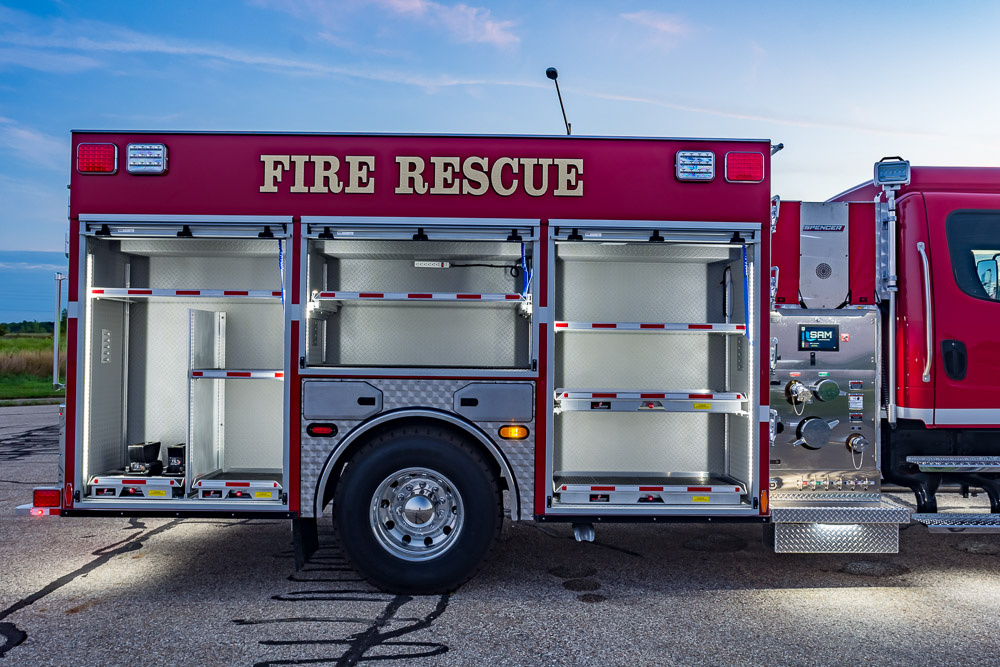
<point>806,74</point>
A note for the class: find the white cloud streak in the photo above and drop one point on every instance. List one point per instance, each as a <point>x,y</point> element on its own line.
<point>33,146</point>
<point>668,24</point>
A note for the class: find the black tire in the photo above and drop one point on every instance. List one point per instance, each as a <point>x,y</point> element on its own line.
<point>393,558</point>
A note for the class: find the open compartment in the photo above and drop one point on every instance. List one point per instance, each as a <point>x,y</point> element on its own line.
<point>175,328</point>
<point>441,302</point>
<point>653,382</point>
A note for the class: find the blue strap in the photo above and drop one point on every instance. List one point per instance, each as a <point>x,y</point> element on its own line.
<point>746,295</point>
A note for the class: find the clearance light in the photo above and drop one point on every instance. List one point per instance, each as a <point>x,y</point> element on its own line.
<point>744,167</point>
<point>97,158</point>
<point>322,430</point>
<point>695,166</point>
<point>46,497</point>
<point>513,432</point>
<point>146,158</point>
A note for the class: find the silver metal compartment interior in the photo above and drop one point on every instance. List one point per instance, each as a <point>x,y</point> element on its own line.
<point>459,334</point>
<point>651,283</point>
<point>145,393</point>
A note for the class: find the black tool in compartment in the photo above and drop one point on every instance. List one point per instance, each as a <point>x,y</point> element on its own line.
<point>175,460</point>
<point>144,459</point>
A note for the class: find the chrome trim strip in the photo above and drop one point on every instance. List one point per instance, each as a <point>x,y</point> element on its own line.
<point>967,416</point>
<point>928,314</point>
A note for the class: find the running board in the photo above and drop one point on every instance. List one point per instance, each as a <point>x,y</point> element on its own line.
<point>960,523</point>
<point>960,464</point>
<point>859,528</point>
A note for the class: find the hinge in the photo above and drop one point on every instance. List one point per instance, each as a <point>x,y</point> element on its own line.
<point>284,497</point>
<point>534,364</point>
<point>302,362</point>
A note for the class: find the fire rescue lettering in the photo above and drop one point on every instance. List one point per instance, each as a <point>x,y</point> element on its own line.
<point>355,174</point>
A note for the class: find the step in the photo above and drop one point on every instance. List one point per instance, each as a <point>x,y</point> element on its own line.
<point>959,523</point>
<point>962,464</point>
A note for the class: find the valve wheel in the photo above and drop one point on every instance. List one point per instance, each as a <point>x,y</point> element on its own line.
<point>417,513</point>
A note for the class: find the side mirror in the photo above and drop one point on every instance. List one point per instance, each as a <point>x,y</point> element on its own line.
<point>986,269</point>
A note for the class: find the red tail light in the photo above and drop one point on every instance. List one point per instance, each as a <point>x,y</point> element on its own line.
<point>96,158</point>
<point>744,167</point>
<point>46,498</point>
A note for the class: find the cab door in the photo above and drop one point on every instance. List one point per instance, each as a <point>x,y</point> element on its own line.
<point>964,233</point>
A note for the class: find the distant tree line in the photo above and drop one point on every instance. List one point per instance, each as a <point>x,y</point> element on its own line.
<point>32,327</point>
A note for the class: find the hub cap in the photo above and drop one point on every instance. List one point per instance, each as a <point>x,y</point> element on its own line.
<point>416,514</point>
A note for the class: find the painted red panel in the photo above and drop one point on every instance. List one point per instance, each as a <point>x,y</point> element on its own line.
<point>543,403</point>
<point>911,346</point>
<point>931,179</point>
<point>294,422</point>
<point>221,174</point>
<point>785,253</point>
<point>861,255</point>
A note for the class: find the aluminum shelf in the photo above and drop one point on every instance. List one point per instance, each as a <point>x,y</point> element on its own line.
<point>244,374</point>
<point>705,489</point>
<point>454,297</point>
<point>649,327</point>
<point>613,400</point>
<point>146,293</point>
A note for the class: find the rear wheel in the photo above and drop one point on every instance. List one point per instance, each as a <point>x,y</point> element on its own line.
<point>417,510</point>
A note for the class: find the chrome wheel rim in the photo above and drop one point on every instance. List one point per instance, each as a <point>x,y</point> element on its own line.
<point>417,514</point>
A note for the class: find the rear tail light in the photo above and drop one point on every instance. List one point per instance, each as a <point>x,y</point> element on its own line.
<point>96,158</point>
<point>46,497</point>
<point>744,167</point>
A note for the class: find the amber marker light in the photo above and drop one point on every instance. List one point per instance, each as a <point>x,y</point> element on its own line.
<point>514,432</point>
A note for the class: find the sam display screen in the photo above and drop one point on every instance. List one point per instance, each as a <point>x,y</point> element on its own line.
<point>819,337</point>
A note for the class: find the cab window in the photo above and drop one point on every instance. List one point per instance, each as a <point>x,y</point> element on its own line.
<point>974,247</point>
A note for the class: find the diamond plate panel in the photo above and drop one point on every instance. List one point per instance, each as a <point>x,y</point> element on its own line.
<point>106,449</point>
<point>242,273</point>
<point>254,425</point>
<point>241,248</point>
<point>885,513</point>
<point>466,251</point>
<point>642,252</point>
<point>960,523</point>
<point>805,496</point>
<point>404,393</point>
<point>857,538</point>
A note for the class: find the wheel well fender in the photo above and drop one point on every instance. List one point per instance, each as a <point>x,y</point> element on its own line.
<point>358,436</point>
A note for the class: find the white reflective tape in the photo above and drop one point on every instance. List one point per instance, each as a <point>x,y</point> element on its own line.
<point>978,416</point>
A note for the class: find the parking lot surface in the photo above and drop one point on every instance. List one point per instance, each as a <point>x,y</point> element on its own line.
<point>115,591</point>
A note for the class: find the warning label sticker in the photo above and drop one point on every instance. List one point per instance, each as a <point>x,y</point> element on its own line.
<point>855,401</point>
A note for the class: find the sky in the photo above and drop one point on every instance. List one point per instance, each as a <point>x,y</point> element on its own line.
<point>841,84</point>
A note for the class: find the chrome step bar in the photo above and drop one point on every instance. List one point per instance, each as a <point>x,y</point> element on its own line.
<point>960,464</point>
<point>959,523</point>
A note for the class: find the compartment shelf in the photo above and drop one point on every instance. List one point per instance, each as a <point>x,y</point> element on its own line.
<point>668,489</point>
<point>615,400</point>
<point>239,485</point>
<point>246,374</point>
<point>648,327</point>
<point>455,297</point>
<point>142,292</point>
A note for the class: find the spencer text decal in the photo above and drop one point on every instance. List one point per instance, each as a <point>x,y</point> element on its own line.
<point>473,175</point>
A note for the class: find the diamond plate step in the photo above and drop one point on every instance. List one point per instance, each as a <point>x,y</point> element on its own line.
<point>960,523</point>
<point>956,463</point>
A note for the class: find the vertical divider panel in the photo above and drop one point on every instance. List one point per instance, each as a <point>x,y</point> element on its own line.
<point>206,427</point>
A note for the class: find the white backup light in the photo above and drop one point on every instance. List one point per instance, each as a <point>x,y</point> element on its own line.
<point>146,158</point>
<point>695,165</point>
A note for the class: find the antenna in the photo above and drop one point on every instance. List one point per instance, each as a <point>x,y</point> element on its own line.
<point>553,74</point>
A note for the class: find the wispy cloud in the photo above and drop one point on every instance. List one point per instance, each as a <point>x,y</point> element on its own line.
<point>25,266</point>
<point>668,24</point>
<point>33,146</point>
<point>463,23</point>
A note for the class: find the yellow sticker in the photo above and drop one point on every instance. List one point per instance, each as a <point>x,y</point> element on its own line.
<point>699,499</point>
<point>157,492</point>
<point>702,406</point>
<point>262,494</point>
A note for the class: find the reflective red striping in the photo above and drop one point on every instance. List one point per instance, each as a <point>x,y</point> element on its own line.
<point>652,326</point>
<point>650,488</point>
<point>328,295</point>
<point>188,292</point>
<point>741,327</point>
<point>147,292</point>
<point>197,374</point>
<point>420,296</point>
<point>602,488</point>
<point>703,489</point>
<point>700,395</point>
<point>512,297</point>
<point>237,483</point>
<point>133,481</point>
<point>562,325</point>
<point>279,375</point>
<point>603,325</point>
<point>604,395</point>
<point>97,291</point>
<point>371,295</point>
<point>235,292</point>
<point>699,326</point>
<point>278,293</point>
<point>238,374</point>
<point>468,296</point>
<point>652,395</point>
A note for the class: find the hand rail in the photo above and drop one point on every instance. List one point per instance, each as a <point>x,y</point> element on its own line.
<point>55,332</point>
<point>927,312</point>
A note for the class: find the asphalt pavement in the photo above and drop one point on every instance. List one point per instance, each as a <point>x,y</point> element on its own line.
<point>115,591</point>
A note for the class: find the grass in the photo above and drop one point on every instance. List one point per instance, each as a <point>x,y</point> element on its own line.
<point>26,365</point>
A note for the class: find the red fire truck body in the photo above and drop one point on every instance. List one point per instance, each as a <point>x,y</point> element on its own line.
<point>431,332</point>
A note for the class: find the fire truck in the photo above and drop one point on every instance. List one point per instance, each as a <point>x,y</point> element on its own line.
<point>426,335</point>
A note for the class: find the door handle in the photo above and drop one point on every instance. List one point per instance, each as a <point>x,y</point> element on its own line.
<point>955,359</point>
<point>927,312</point>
